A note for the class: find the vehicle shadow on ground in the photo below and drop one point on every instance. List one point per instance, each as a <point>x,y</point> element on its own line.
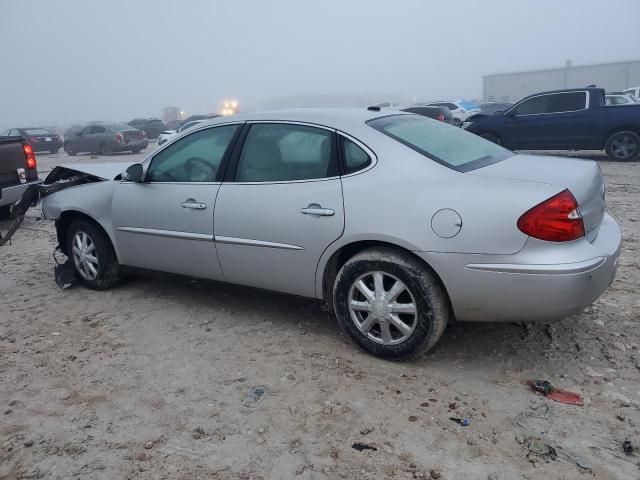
<point>511,345</point>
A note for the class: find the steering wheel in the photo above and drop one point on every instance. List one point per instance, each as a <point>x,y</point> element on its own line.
<point>199,170</point>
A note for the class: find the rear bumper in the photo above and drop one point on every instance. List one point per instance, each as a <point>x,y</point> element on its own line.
<point>10,195</point>
<point>46,146</point>
<point>132,145</point>
<point>533,290</point>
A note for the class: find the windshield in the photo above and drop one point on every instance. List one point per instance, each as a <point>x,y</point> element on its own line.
<point>38,131</point>
<point>451,146</point>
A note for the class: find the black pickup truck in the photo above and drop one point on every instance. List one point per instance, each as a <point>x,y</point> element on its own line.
<point>18,169</point>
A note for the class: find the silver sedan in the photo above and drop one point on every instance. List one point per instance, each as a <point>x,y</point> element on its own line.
<point>398,222</point>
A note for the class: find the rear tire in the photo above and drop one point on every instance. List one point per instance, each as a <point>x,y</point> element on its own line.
<point>5,212</point>
<point>136,150</point>
<point>54,150</point>
<point>94,260</point>
<point>623,146</point>
<point>414,319</point>
<point>492,138</point>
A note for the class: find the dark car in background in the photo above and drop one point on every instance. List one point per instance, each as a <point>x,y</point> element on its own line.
<point>442,114</point>
<point>104,138</point>
<point>40,139</point>
<point>491,108</point>
<point>152,127</point>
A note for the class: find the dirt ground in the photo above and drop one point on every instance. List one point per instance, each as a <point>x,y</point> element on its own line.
<point>151,381</point>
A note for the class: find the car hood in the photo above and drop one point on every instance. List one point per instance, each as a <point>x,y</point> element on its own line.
<point>104,171</point>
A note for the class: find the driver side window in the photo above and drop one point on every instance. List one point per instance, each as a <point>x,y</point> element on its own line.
<point>194,158</point>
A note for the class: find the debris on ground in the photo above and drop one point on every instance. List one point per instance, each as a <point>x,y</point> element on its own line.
<point>254,395</point>
<point>627,447</point>
<point>435,474</point>
<point>540,445</point>
<point>460,421</point>
<point>545,388</point>
<point>64,274</point>
<point>363,446</point>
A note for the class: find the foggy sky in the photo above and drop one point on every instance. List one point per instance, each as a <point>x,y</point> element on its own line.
<point>70,61</point>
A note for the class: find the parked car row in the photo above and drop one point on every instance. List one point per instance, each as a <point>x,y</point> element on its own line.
<point>104,138</point>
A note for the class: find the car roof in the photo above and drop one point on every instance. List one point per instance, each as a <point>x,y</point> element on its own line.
<point>339,118</point>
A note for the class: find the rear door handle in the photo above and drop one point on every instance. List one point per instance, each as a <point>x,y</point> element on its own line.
<point>194,205</point>
<point>315,209</point>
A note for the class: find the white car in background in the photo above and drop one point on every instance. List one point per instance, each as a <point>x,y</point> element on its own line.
<point>635,91</point>
<point>167,135</point>
<point>621,99</point>
<point>461,109</point>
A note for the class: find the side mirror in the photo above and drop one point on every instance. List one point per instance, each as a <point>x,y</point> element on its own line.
<point>133,173</point>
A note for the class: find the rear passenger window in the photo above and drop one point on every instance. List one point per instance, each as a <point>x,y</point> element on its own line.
<point>283,152</point>
<point>567,102</point>
<point>355,158</point>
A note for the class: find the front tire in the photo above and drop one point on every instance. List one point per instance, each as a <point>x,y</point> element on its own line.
<point>71,151</point>
<point>105,149</point>
<point>136,150</point>
<point>93,257</point>
<point>390,303</point>
<point>623,146</point>
<point>54,150</point>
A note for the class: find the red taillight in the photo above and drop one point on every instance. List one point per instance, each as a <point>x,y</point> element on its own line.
<point>557,219</point>
<point>440,117</point>
<point>119,138</point>
<point>30,156</point>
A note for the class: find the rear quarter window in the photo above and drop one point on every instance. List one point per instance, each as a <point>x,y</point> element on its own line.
<point>448,145</point>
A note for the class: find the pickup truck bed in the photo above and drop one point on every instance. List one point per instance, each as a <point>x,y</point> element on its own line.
<point>18,170</point>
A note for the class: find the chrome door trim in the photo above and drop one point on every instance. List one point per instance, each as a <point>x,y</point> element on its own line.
<point>255,243</point>
<point>167,233</point>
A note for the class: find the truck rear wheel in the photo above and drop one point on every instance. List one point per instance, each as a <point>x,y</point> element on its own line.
<point>623,146</point>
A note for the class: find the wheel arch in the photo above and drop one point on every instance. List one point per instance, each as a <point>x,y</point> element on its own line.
<point>622,128</point>
<point>333,262</point>
<point>67,217</point>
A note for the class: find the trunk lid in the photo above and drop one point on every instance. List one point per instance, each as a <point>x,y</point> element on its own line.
<point>583,178</point>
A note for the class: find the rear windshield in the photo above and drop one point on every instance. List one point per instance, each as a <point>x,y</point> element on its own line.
<point>38,131</point>
<point>451,146</point>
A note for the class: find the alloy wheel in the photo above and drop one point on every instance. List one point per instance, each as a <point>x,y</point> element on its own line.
<point>84,255</point>
<point>624,147</point>
<point>382,308</point>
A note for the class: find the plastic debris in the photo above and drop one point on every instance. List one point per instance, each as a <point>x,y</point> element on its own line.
<point>460,421</point>
<point>64,274</point>
<point>556,394</point>
<point>627,447</point>
<point>254,395</point>
<point>363,446</point>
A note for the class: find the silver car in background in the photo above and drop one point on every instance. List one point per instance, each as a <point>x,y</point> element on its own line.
<point>104,138</point>
<point>399,222</point>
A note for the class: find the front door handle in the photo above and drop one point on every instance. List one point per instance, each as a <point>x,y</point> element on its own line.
<point>194,205</point>
<point>315,209</point>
